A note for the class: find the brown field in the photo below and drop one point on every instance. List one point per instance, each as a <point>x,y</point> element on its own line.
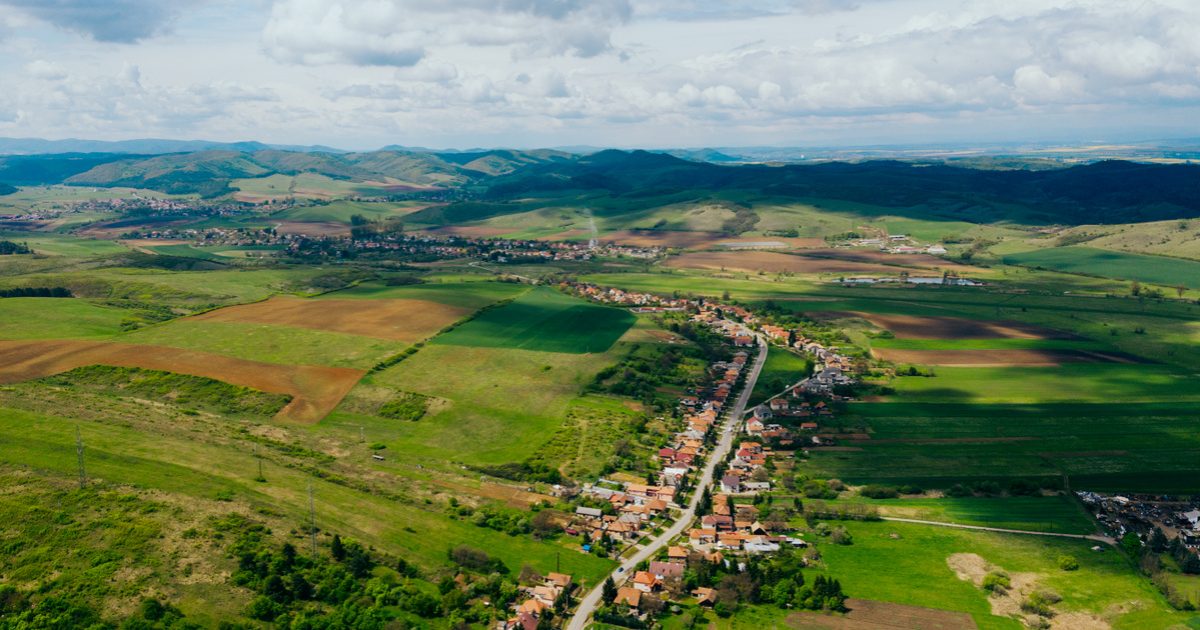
<point>315,391</point>
<point>469,231</point>
<point>924,261</point>
<point>773,262</point>
<point>871,615</point>
<point>313,228</point>
<point>914,327</point>
<point>396,320</point>
<point>999,358</point>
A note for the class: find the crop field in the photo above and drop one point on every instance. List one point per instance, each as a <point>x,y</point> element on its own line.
<point>774,262</point>
<point>397,320</point>
<point>1055,513</point>
<point>990,357</point>
<point>470,295</point>
<point>1121,265</point>
<point>916,327</point>
<point>315,391</point>
<point>547,321</point>
<point>1098,446</point>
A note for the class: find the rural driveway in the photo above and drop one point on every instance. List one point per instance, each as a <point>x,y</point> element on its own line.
<point>1095,537</point>
<point>590,601</point>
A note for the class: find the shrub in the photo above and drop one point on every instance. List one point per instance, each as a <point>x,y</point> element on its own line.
<point>996,582</point>
<point>879,492</point>
<point>1068,563</point>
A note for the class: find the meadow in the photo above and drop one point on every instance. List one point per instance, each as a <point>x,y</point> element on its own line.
<point>547,321</point>
<point>1059,513</point>
<point>1158,270</point>
<point>783,369</point>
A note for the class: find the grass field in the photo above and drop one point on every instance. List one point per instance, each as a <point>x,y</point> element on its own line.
<point>547,321</point>
<point>49,318</point>
<point>907,564</point>
<point>1121,265</point>
<point>782,369</point>
<point>1078,382</point>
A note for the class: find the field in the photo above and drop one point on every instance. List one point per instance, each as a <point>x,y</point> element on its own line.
<point>989,357</point>
<point>26,318</point>
<point>774,262</point>
<point>315,391</point>
<point>910,564</point>
<point>1056,513</point>
<point>1158,270</point>
<point>397,320</point>
<point>869,615</point>
<point>783,369</point>
<point>915,327</point>
<point>544,320</point>
<point>1094,446</point>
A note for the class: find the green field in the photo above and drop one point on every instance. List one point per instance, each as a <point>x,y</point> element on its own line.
<point>906,564</point>
<point>1099,446</point>
<point>57,318</point>
<point>1056,513</point>
<point>1110,264</point>
<point>546,321</point>
<point>1070,382</point>
<point>783,369</point>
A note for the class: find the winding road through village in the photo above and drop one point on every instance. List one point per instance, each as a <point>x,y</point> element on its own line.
<point>729,431</point>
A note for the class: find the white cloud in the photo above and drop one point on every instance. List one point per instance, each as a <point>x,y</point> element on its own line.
<point>47,70</point>
<point>399,32</point>
<point>123,21</point>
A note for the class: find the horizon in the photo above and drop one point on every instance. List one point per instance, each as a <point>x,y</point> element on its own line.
<point>620,73</point>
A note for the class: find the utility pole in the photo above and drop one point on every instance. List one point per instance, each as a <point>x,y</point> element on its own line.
<point>312,521</point>
<point>362,434</point>
<point>79,458</point>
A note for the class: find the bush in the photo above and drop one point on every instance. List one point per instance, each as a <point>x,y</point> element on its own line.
<point>996,582</point>
<point>1068,563</point>
<point>407,406</point>
<point>879,492</point>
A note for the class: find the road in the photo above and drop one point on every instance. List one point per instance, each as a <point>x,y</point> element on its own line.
<point>728,432</point>
<point>1095,537</point>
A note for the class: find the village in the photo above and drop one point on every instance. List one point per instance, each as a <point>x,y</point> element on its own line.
<point>727,526</point>
<point>1178,518</point>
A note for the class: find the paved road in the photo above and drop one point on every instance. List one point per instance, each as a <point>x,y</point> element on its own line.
<point>728,432</point>
<point>1095,537</point>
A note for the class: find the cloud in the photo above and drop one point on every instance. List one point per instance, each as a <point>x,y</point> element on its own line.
<point>399,32</point>
<point>46,70</point>
<point>123,21</point>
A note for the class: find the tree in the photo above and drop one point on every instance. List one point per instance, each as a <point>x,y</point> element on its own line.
<point>1158,541</point>
<point>1191,564</point>
<point>1135,289</point>
<point>337,549</point>
<point>1131,544</point>
<point>610,591</point>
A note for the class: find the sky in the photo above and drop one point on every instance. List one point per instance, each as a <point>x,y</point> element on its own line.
<point>360,74</point>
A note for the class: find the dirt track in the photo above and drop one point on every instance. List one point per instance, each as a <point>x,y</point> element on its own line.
<point>315,391</point>
<point>397,320</point>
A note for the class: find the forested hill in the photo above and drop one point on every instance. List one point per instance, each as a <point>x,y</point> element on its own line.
<point>1110,191</point>
<point>1102,192</point>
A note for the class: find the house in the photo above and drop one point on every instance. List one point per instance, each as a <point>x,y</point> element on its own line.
<point>523,621</point>
<point>754,426</point>
<point>533,607</point>
<point>778,405</point>
<point>700,537</point>
<point>705,596</point>
<point>646,582</point>
<point>808,426</point>
<point>731,484</point>
<point>589,512</point>
<point>717,522</point>
<point>561,580</point>
<point>629,596</point>
<point>666,570</point>
<point>677,553</point>
<point>756,486</point>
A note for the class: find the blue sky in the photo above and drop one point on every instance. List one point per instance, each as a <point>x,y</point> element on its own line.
<point>626,73</point>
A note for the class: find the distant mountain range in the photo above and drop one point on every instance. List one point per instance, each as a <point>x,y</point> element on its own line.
<point>504,181</point>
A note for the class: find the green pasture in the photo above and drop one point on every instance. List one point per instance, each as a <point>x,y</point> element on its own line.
<point>544,320</point>
<point>64,244</point>
<point>907,564</point>
<point>184,463</point>
<point>987,344</point>
<point>341,210</point>
<point>268,343</point>
<point>783,369</point>
<point>57,318</point>
<point>1070,382</point>
<point>452,292</point>
<point>1159,270</point>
